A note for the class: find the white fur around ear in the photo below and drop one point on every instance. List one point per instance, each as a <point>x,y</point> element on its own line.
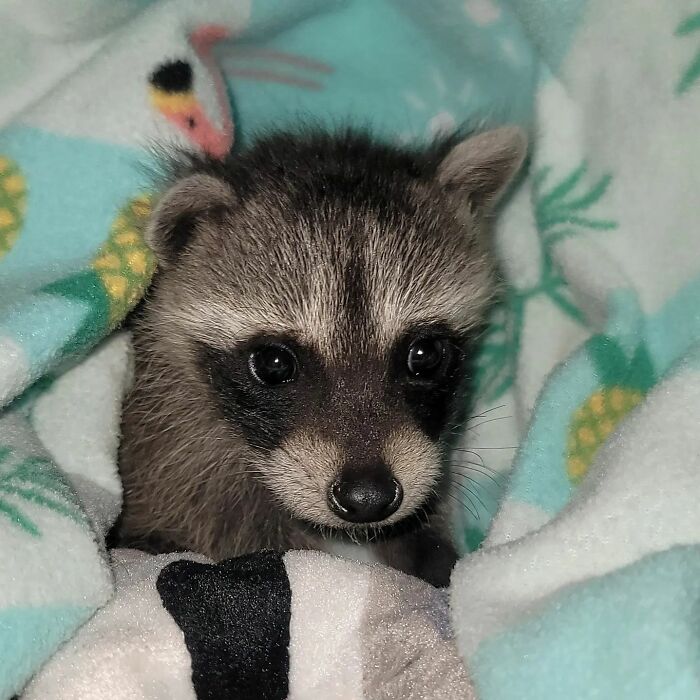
<point>172,222</point>
<point>481,167</point>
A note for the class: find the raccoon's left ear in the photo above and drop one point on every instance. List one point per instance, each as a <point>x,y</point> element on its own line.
<point>174,220</point>
<point>481,167</point>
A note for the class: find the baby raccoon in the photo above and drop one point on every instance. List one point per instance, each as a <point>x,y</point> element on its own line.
<point>300,359</point>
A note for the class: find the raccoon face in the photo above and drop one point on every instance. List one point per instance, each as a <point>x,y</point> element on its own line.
<point>324,292</point>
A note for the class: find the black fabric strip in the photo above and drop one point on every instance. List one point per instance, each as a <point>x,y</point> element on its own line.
<point>235,617</point>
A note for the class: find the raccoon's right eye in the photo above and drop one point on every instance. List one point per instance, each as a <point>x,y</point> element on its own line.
<point>273,364</point>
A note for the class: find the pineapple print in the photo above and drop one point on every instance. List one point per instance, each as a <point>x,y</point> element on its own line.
<point>624,383</point>
<point>31,485</point>
<point>114,282</point>
<point>13,202</point>
<point>125,264</point>
<point>563,209</point>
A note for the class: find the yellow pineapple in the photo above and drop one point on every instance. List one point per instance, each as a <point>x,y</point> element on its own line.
<point>125,264</point>
<point>624,385</point>
<point>13,203</point>
<point>118,276</point>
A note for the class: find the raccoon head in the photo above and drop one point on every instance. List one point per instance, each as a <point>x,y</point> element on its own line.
<point>323,291</point>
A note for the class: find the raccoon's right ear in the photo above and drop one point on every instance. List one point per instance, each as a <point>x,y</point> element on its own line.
<point>177,212</point>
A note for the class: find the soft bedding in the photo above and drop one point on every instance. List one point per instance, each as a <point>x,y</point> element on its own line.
<point>584,582</point>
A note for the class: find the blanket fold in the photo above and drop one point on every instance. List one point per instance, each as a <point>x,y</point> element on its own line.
<point>584,587</point>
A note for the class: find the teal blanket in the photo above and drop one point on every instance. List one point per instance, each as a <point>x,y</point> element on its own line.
<point>586,585</point>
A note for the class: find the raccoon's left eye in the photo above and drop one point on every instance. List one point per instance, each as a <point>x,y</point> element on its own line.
<point>426,357</point>
<point>273,364</point>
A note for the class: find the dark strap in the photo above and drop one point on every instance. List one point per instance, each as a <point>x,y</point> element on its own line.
<point>235,618</point>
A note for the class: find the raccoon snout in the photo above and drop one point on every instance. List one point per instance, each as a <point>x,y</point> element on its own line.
<point>365,499</point>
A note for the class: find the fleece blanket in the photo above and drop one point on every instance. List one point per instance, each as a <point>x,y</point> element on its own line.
<point>586,582</point>
<point>586,585</point>
<point>301,625</point>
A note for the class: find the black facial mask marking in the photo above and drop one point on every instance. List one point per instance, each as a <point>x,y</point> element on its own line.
<point>268,414</point>
<point>432,400</point>
<point>265,414</point>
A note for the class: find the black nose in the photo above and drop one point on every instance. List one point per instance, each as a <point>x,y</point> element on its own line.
<point>365,499</point>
